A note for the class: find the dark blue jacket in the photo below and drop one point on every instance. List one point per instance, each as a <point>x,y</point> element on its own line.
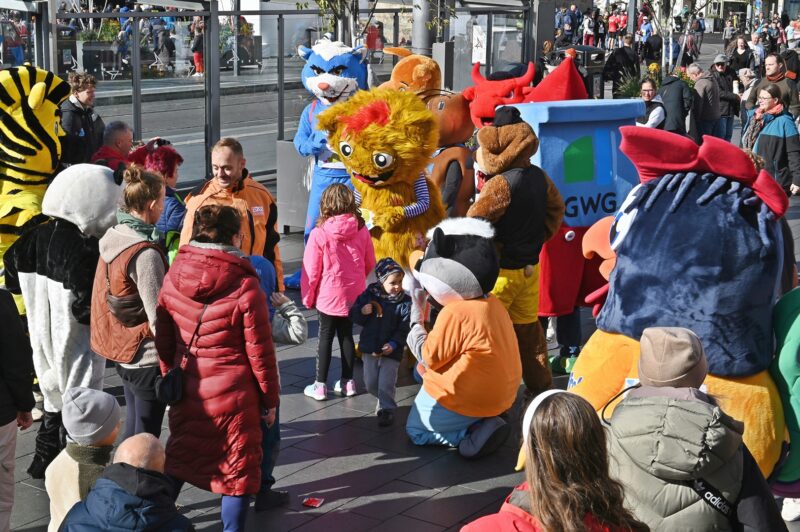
<point>392,327</point>
<point>171,221</point>
<point>127,498</point>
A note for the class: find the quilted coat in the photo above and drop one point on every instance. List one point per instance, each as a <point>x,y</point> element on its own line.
<point>662,439</point>
<point>231,373</point>
<point>337,260</point>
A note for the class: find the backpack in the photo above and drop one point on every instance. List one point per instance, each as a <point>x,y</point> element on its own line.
<point>702,22</point>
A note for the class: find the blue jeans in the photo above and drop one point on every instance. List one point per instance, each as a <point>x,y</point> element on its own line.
<point>234,508</point>
<point>710,127</point>
<point>726,127</point>
<point>429,423</point>
<point>271,447</point>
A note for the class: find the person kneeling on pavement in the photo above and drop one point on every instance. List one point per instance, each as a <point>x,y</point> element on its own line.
<point>469,360</point>
<point>680,458</point>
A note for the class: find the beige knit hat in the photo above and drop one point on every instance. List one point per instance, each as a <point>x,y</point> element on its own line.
<point>671,356</point>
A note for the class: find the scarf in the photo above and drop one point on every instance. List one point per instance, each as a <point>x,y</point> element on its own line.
<point>776,77</point>
<point>148,231</point>
<point>756,124</point>
<point>376,290</point>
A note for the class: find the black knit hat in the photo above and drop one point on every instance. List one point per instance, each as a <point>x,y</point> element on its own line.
<point>386,267</point>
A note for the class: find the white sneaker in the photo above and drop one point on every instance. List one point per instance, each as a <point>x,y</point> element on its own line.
<point>37,414</point>
<point>550,334</point>
<point>349,388</point>
<point>791,509</point>
<point>318,391</point>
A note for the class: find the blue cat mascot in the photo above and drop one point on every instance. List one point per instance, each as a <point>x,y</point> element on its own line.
<point>333,72</point>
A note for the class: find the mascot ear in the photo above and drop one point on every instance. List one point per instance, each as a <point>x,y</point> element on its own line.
<point>362,52</point>
<point>119,173</point>
<point>304,52</point>
<point>37,95</point>
<point>442,244</point>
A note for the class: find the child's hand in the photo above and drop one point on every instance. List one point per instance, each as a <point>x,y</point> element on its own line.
<point>366,310</point>
<point>277,299</point>
<point>386,350</point>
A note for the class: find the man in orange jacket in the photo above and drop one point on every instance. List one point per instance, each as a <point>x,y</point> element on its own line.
<point>231,185</point>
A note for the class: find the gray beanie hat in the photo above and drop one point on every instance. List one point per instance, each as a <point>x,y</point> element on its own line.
<point>89,416</point>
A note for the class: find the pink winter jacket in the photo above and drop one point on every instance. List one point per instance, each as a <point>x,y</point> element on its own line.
<point>336,262</point>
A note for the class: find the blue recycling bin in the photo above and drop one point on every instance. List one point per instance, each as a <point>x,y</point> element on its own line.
<point>579,149</point>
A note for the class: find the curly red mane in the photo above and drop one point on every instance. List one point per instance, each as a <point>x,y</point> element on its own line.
<point>377,112</point>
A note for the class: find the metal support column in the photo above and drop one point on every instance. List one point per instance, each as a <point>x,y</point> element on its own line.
<point>281,102</point>
<point>51,35</point>
<point>136,87</point>
<point>421,34</point>
<point>212,80</point>
<point>40,38</point>
<point>395,34</point>
<point>237,5</point>
<point>489,44</point>
<point>541,18</point>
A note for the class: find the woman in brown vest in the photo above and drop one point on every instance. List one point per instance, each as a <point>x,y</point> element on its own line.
<point>129,275</point>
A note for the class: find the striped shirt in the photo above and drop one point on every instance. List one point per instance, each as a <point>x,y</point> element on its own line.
<point>416,208</point>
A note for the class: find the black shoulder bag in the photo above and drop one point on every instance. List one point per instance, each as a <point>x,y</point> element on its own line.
<point>169,388</point>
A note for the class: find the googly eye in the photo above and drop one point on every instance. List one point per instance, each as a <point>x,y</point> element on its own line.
<point>345,149</point>
<point>382,160</point>
<point>624,219</point>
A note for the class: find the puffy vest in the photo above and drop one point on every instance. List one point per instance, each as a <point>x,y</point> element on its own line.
<point>110,338</point>
<point>521,230</point>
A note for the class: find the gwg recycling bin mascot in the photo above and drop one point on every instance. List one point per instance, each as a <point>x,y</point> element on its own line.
<point>53,266</point>
<point>698,244</point>
<point>472,366</point>
<point>333,72</point>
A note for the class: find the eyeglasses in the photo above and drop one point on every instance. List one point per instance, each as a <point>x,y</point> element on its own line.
<point>648,90</point>
<point>767,98</point>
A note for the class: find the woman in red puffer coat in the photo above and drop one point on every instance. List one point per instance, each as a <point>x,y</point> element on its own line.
<point>230,375</point>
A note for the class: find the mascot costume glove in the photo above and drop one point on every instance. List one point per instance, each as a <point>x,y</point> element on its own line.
<point>525,207</point>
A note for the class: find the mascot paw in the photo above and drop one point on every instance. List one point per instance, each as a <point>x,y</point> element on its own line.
<point>389,217</point>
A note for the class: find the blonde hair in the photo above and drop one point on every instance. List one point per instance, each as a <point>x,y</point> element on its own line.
<point>231,143</point>
<point>141,187</point>
<point>338,199</point>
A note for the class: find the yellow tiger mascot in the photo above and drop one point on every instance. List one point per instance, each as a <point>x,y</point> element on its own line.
<point>30,148</point>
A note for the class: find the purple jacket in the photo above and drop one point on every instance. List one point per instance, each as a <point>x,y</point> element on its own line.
<point>337,259</point>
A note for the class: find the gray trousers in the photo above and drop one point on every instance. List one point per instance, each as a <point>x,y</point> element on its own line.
<point>380,377</point>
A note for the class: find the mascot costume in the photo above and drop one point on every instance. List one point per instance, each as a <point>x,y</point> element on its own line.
<point>30,148</point>
<point>53,266</point>
<point>385,139</point>
<point>415,73</point>
<point>471,359</point>
<point>525,207</point>
<point>333,72</point>
<point>453,169</point>
<point>698,244</point>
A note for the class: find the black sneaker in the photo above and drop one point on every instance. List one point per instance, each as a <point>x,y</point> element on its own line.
<point>271,499</point>
<point>385,418</point>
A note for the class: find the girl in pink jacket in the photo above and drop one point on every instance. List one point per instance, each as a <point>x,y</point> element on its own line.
<point>337,259</point>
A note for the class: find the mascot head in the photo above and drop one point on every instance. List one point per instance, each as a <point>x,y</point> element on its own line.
<point>383,136</point>
<point>415,73</point>
<point>29,131</point>
<point>509,143</point>
<point>459,263</point>
<point>88,195</point>
<point>499,89</point>
<point>698,245</point>
<point>333,71</point>
<point>452,112</point>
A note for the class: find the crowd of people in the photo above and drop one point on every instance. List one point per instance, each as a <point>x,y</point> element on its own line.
<point>186,301</point>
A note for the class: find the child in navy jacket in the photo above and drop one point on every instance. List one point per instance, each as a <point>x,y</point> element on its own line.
<point>383,310</point>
